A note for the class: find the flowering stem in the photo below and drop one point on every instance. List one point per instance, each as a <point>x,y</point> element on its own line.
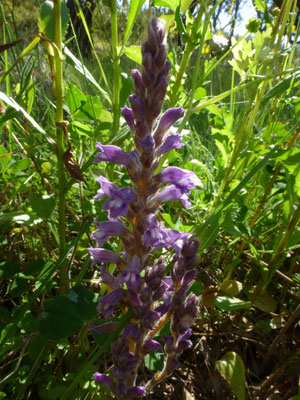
<point>58,85</point>
<point>116,67</point>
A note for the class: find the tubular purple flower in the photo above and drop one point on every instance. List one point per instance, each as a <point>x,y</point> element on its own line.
<point>138,83</point>
<point>133,331</point>
<point>107,229</point>
<point>183,345</point>
<point>166,121</point>
<point>103,379</point>
<point>155,236</point>
<point>108,279</point>
<point>188,279</point>
<point>113,154</point>
<point>128,115</point>
<point>170,143</point>
<point>176,239</point>
<point>149,320</point>
<point>131,276</point>
<point>136,391</point>
<point>117,205</point>
<point>177,177</point>
<point>138,107</point>
<point>107,303</point>
<point>171,193</point>
<point>150,345</point>
<point>103,256</point>
<point>147,144</point>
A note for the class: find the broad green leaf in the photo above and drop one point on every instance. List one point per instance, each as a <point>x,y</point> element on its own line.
<point>154,361</point>
<point>173,4</point>
<point>17,287</point>
<point>134,9</point>
<point>46,19</point>
<point>84,302</point>
<point>59,319</point>
<point>20,217</point>
<point>4,161</point>
<point>19,165</point>
<point>260,5</point>
<point>179,23</point>
<point>184,5</point>
<point>43,205</point>
<point>90,110</point>
<point>75,98</point>
<point>231,367</point>
<point>134,53</point>
<point>80,128</point>
<point>231,288</point>
<point>229,304</point>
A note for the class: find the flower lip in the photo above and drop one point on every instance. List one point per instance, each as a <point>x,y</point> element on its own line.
<point>166,121</point>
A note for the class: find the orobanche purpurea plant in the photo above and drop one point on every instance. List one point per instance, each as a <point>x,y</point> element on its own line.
<point>142,282</point>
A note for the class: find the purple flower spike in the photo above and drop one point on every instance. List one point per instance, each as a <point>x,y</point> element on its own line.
<point>128,115</point>
<point>104,379</point>
<point>103,256</point>
<point>138,83</point>
<point>108,279</point>
<point>171,142</point>
<point>165,123</point>
<point>136,391</point>
<point>147,144</point>
<point>107,229</point>
<point>112,153</point>
<point>154,236</point>
<point>177,177</point>
<point>138,107</point>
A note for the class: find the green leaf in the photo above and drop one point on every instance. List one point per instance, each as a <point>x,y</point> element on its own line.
<point>84,302</point>
<point>90,110</point>
<point>173,4</point>
<point>81,129</point>
<point>20,217</point>
<point>281,87</point>
<point>134,9</point>
<point>231,288</point>
<point>17,287</point>
<point>46,19</point>
<point>178,19</point>
<point>260,5</point>
<point>19,165</point>
<point>43,205</point>
<point>154,361</point>
<point>4,160</point>
<point>134,53</point>
<point>229,304</point>
<point>60,319</point>
<point>231,367</point>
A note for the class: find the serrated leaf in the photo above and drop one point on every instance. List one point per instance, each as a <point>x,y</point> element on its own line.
<point>46,19</point>
<point>59,319</point>
<point>231,367</point>
<point>229,304</point>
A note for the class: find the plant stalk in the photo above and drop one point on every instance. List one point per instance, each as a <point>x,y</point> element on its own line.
<point>58,87</point>
<point>116,68</point>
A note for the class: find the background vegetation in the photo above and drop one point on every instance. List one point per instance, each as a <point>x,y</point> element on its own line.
<point>241,135</point>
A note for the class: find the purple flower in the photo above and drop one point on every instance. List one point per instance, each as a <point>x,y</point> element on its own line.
<point>169,194</point>
<point>136,391</point>
<point>107,229</point>
<point>149,320</point>
<point>154,236</point>
<point>176,239</point>
<point>108,279</point>
<point>138,83</point>
<point>104,379</point>
<point>177,177</point>
<point>119,200</point>
<point>104,256</point>
<point>171,142</point>
<point>138,107</point>
<point>128,115</point>
<point>131,276</point>
<point>112,153</point>
<point>151,345</point>
<point>107,303</point>
<point>133,331</point>
<point>147,144</point>
<point>166,121</point>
